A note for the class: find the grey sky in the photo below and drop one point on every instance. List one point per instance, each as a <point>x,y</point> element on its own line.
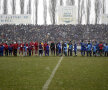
<point>40,11</point>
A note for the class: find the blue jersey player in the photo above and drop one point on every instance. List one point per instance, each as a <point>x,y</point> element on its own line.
<point>59,48</point>
<point>1,50</point>
<point>47,50</point>
<point>75,49</point>
<point>89,49</point>
<point>83,48</point>
<point>106,50</point>
<point>65,49</point>
<point>94,50</point>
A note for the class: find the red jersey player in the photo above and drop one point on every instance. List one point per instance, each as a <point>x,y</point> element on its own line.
<point>21,48</point>
<point>15,47</point>
<point>36,47</point>
<point>45,45</point>
<point>101,48</point>
<point>32,45</point>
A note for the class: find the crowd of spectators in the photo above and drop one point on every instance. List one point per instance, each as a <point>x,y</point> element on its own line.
<point>55,33</point>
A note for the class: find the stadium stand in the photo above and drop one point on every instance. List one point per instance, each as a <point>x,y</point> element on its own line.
<point>57,33</point>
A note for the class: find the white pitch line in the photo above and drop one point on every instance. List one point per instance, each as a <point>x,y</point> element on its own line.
<point>47,83</point>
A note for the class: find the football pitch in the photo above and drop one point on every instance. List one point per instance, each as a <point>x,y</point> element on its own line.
<point>54,73</point>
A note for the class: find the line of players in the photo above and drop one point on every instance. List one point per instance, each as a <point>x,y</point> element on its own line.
<point>95,49</point>
<point>58,49</point>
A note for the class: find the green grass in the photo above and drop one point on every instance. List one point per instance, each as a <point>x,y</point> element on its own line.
<point>28,73</point>
<point>74,73</point>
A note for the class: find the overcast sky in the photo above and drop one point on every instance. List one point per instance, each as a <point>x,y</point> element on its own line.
<point>40,10</point>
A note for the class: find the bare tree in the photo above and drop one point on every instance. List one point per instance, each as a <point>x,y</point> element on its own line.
<point>36,11</point>
<point>88,5</point>
<point>13,4</point>
<point>52,10</point>
<point>104,6</point>
<point>98,8</point>
<point>22,6</point>
<point>70,2</point>
<point>79,2</point>
<point>82,11</point>
<point>0,4</point>
<point>73,2</point>
<point>45,11</point>
<point>61,2</point>
<point>5,7</point>
<point>29,7</point>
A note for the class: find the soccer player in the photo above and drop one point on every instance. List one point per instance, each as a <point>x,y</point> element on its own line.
<point>6,49</point>
<point>25,50</point>
<point>83,48</point>
<point>10,49</point>
<point>36,48</point>
<point>1,50</point>
<point>52,46</point>
<point>15,47</point>
<point>21,48</point>
<point>45,45</point>
<point>70,49</point>
<point>40,50</point>
<point>63,44</point>
<point>94,50</point>
<point>65,49</point>
<point>101,48</point>
<point>47,50</point>
<point>26,44</point>
<point>29,49</point>
<point>89,49</point>
<point>59,48</point>
<point>97,48</point>
<point>106,50</point>
<point>75,48</point>
<point>32,46</point>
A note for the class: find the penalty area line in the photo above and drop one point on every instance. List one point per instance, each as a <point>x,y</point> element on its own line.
<point>47,83</point>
